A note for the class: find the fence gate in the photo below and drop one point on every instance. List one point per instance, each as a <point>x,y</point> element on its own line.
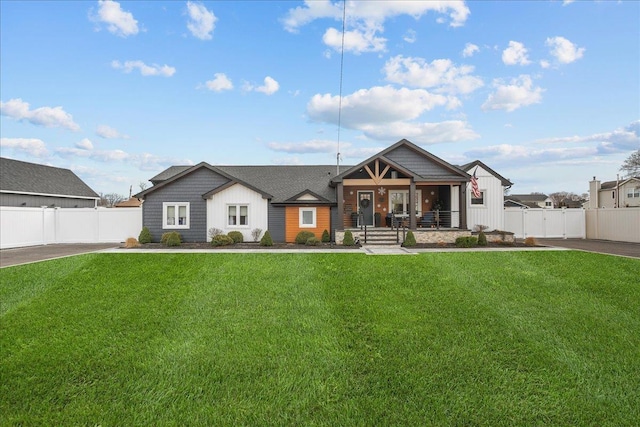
<point>541,223</point>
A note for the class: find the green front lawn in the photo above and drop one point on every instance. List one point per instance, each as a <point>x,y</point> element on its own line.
<point>508,338</point>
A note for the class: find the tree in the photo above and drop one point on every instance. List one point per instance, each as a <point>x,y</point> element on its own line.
<point>142,185</point>
<point>110,199</point>
<point>631,166</point>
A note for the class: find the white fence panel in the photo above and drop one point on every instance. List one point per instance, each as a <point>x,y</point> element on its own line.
<point>622,224</point>
<point>40,226</point>
<point>559,223</point>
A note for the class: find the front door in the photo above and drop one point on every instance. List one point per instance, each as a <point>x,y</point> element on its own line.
<point>365,204</point>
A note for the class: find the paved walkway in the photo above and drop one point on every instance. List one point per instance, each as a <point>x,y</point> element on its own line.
<point>16,256</point>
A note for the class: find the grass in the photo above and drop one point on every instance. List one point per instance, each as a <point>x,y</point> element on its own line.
<point>509,338</point>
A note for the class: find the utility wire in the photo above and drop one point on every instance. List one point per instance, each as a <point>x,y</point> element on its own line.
<point>344,18</point>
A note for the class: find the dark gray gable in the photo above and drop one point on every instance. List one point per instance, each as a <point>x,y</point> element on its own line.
<point>413,161</point>
<point>469,166</point>
<point>24,177</point>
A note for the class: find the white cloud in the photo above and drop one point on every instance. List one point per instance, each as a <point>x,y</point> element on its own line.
<point>520,92</point>
<point>85,144</point>
<point>469,50</point>
<point>145,70</point>
<point>515,54</point>
<point>545,64</point>
<point>365,19</point>
<point>384,112</point>
<point>118,21</point>
<point>219,83</point>
<point>563,50</point>
<point>619,140</point>
<point>44,116</point>
<point>269,87</point>
<point>313,146</point>
<point>440,74</point>
<point>32,146</point>
<point>201,21</point>
<point>410,36</point>
<point>108,132</point>
<point>356,41</point>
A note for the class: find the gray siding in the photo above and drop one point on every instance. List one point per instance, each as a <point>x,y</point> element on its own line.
<point>277,223</point>
<point>422,166</point>
<point>31,201</point>
<point>189,188</point>
<point>335,220</point>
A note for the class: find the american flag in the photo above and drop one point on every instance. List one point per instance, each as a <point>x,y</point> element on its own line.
<point>475,191</point>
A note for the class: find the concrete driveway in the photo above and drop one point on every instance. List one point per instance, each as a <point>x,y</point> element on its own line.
<point>16,256</point>
<point>602,246</point>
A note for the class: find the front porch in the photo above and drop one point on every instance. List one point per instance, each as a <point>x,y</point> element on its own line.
<point>388,236</point>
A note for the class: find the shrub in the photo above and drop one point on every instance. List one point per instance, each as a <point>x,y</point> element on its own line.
<point>466,241</point>
<point>213,232</point>
<point>530,241</point>
<point>482,238</point>
<point>255,233</point>
<point>236,236</point>
<point>313,241</point>
<point>410,240</point>
<point>326,237</point>
<point>222,240</point>
<point>145,236</point>
<point>348,238</point>
<point>266,239</point>
<point>480,227</point>
<point>171,238</point>
<point>303,236</point>
<point>131,242</point>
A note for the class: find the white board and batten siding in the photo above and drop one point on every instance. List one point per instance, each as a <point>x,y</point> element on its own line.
<point>491,213</point>
<point>237,194</point>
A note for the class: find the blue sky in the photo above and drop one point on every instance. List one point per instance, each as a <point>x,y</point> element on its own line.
<point>547,93</point>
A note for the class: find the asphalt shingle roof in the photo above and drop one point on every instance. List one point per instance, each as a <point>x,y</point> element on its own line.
<point>25,177</point>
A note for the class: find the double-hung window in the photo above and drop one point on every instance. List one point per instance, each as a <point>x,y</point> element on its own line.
<point>307,218</point>
<point>175,215</point>
<point>237,215</point>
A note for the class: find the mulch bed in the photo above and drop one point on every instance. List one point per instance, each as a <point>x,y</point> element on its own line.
<point>277,246</point>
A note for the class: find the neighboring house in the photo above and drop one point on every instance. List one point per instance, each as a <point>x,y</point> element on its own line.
<point>484,210</point>
<point>131,202</point>
<point>33,185</point>
<point>529,201</point>
<point>403,179</point>
<point>613,194</point>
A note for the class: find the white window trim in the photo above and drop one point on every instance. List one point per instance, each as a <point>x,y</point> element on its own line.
<point>237,206</point>
<point>484,199</point>
<point>300,216</point>
<point>405,201</point>
<point>177,206</point>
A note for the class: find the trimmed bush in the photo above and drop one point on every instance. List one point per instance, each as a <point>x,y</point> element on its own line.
<point>482,238</point>
<point>326,237</point>
<point>213,232</point>
<point>409,240</point>
<point>145,235</point>
<point>303,236</point>
<point>348,238</point>
<point>222,240</point>
<point>266,239</point>
<point>131,242</point>
<point>171,238</point>
<point>236,236</point>
<point>466,241</point>
<point>313,241</point>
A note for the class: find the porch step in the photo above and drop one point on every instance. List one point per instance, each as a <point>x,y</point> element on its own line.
<point>378,237</point>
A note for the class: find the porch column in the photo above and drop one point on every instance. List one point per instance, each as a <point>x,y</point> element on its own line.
<point>340,197</point>
<point>463,206</point>
<point>412,205</point>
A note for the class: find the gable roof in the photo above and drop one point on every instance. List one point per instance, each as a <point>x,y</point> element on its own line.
<point>432,168</point>
<point>30,178</point>
<point>609,185</point>
<point>467,167</point>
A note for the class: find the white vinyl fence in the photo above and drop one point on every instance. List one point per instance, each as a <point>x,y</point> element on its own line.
<point>552,223</point>
<point>40,226</point>
<point>622,224</point>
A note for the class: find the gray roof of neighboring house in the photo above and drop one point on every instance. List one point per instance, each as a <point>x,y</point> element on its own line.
<point>529,197</point>
<point>23,177</point>
<point>608,185</point>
